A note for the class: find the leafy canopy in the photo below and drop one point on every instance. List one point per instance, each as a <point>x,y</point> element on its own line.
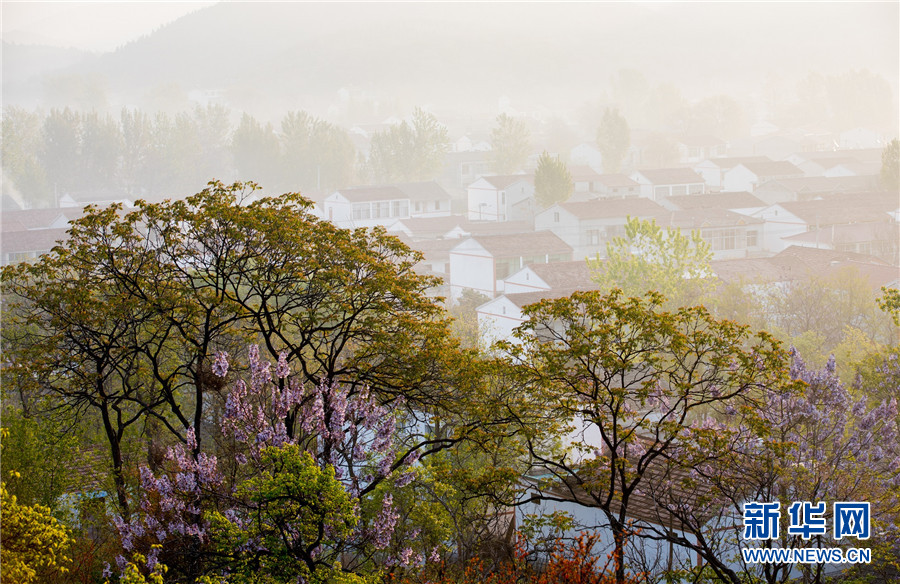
<point>649,257</point>
<point>613,139</point>
<point>552,181</point>
<point>510,144</point>
<point>409,152</point>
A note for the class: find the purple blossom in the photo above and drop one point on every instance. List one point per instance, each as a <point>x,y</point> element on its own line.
<point>220,364</point>
<point>281,369</point>
<point>385,523</point>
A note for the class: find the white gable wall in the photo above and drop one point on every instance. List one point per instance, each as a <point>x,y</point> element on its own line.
<point>471,266</point>
<point>497,319</point>
<point>779,224</point>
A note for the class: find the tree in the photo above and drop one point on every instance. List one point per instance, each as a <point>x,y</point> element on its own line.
<point>613,139</point>
<point>660,151</point>
<point>552,181</point>
<point>23,174</point>
<point>213,131</point>
<point>638,378</point>
<point>61,145</point>
<point>137,149</point>
<point>256,150</point>
<point>812,440</point>
<point>316,154</point>
<point>719,116</point>
<point>650,258</point>
<point>124,319</point>
<point>890,303</point>
<point>510,144</point>
<point>33,542</point>
<point>409,152</point>
<point>101,146</point>
<point>302,500</point>
<point>890,165</point>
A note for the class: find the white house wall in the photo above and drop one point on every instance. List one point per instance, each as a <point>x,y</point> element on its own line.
<point>484,203</point>
<point>525,280</point>
<point>497,320</point>
<point>780,224</point>
<point>739,178</point>
<point>471,267</point>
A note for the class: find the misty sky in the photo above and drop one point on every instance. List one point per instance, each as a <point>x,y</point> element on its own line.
<point>92,26</point>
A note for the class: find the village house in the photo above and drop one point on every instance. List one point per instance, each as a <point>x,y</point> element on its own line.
<point>803,189</point>
<point>798,263</point>
<point>482,262</point>
<point>784,220</point>
<point>498,317</point>
<point>501,198</point>
<point>692,149</point>
<point>369,206</point>
<point>746,176</point>
<point>739,202</point>
<point>729,234</point>
<point>574,275</point>
<point>587,226</point>
<point>28,245</point>
<point>587,154</point>
<point>713,169</point>
<point>668,182</point>
<point>617,186</point>
<point>881,240</point>
<point>462,168</point>
<point>583,178</point>
<point>854,168</point>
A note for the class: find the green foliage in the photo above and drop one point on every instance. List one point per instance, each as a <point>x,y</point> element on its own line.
<point>23,173</point>
<point>37,458</point>
<point>299,507</point>
<point>135,572</point>
<point>409,152</point>
<point>316,155</point>
<point>124,319</point>
<point>650,258</point>
<point>613,139</point>
<point>510,144</point>
<point>256,150</point>
<point>641,379</point>
<point>826,305</point>
<point>890,303</point>
<point>552,181</point>
<point>465,319</point>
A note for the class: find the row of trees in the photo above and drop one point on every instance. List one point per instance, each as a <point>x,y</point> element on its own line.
<point>143,154</point>
<point>45,156</point>
<point>356,440</point>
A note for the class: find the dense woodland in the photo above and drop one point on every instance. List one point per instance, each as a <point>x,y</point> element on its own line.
<point>207,391</point>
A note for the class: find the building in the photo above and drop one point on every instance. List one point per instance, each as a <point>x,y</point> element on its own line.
<point>668,182</point>
<point>501,198</point>
<point>369,206</point>
<point>482,262</point>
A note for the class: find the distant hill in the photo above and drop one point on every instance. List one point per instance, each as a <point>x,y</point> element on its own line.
<point>463,55</point>
<point>26,67</point>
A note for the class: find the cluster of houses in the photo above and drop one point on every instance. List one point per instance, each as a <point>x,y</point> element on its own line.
<point>492,238</point>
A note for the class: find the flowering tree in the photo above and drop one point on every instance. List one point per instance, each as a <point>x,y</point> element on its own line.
<point>811,441</point>
<point>123,320</point>
<point>310,501</point>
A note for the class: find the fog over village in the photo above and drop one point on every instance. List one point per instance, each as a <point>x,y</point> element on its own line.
<point>503,204</point>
